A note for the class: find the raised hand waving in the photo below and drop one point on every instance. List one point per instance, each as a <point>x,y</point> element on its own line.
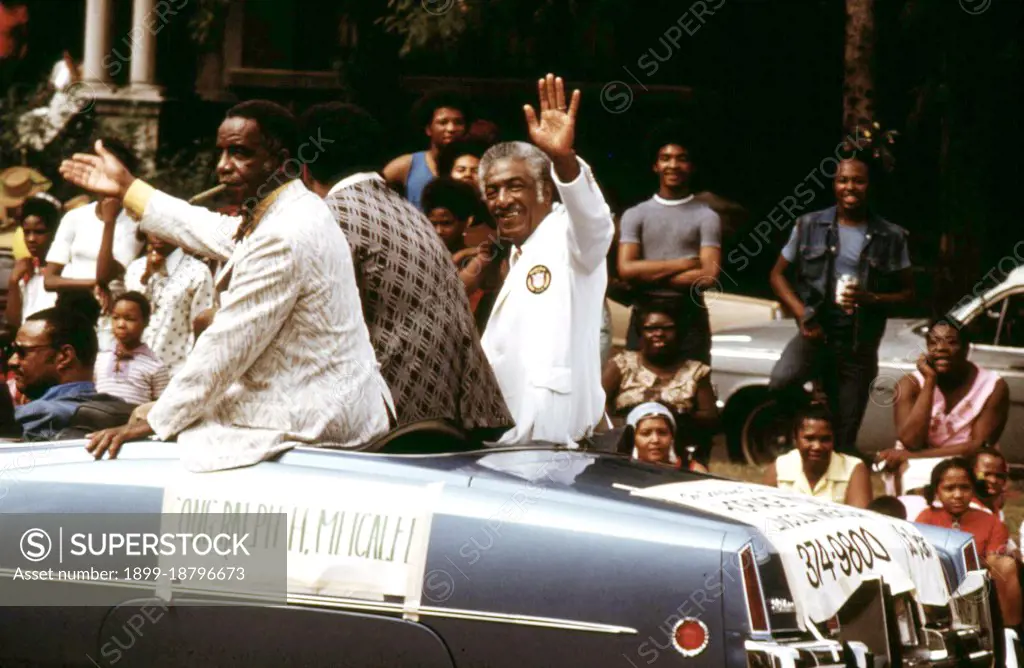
<point>102,174</point>
<point>554,132</point>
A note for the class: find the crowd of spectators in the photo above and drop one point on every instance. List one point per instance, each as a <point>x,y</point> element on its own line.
<point>481,316</point>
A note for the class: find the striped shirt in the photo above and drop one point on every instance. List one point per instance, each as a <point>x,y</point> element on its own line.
<point>138,379</point>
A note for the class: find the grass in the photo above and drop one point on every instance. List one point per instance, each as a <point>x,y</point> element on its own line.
<point>1014,508</point>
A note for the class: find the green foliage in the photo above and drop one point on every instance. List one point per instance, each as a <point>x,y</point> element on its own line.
<point>509,35</point>
<point>188,171</point>
<point>18,102</point>
<point>425,22</point>
<point>207,23</point>
<point>184,172</point>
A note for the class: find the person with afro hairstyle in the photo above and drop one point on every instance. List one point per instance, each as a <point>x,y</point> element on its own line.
<point>460,160</point>
<point>670,246</point>
<point>444,117</point>
<point>452,206</point>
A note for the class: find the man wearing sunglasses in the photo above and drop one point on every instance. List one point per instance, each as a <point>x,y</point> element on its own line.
<point>52,359</point>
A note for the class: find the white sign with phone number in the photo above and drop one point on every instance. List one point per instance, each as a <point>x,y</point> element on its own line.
<point>827,549</point>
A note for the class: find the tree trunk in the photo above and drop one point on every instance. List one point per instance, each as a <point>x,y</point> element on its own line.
<point>858,56</point>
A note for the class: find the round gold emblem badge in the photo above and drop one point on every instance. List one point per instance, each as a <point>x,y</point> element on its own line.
<point>538,279</point>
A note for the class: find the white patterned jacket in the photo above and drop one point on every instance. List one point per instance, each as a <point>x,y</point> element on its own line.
<point>287,359</point>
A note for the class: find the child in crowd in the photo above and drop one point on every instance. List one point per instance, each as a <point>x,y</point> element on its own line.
<point>131,371</point>
<point>888,505</point>
<point>651,429</point>
<point>953,485</point>
<point>40,216</point>
<point>992,472</point>
<point>451,206</point>
<point>460,159</point>
<point>179,288</point>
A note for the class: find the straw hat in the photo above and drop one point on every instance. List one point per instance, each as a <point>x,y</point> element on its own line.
<point>19,183</point>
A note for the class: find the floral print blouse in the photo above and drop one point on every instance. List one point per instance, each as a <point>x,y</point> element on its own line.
<point>639,384</point>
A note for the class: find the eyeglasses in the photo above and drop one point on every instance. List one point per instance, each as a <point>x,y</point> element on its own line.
<point>22,351</point>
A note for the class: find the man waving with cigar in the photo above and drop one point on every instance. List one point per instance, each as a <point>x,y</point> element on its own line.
<point>543,336</point>
<point>287,358</point>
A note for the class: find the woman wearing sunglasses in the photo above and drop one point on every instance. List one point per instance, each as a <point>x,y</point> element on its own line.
<point>658,372</point>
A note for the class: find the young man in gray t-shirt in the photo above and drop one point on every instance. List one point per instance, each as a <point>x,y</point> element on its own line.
<point>670,248</point>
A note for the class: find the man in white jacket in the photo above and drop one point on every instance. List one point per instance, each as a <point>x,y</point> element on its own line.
<point>287,358</point>
<point>543,336</point>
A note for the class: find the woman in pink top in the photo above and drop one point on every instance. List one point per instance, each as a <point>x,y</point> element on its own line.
<point>949,406</point>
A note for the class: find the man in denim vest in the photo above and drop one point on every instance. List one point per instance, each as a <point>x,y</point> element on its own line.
<point>838,342</point>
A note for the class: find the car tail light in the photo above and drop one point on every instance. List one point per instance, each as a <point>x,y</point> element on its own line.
<point>756,609</point>
<point>970,553</point>
<point>690,636</point>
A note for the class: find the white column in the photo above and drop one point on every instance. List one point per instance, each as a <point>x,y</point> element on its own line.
<point>143,71</point>
<point>97,40</point>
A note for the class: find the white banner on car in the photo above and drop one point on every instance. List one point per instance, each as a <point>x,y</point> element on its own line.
<point>827,549</point>
<point>347,539</point>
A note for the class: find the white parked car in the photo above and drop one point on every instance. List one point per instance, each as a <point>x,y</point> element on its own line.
<point>742,359</point>
<point>726,310</point>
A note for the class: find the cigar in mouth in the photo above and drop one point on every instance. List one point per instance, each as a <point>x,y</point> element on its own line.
<point>208,194</point>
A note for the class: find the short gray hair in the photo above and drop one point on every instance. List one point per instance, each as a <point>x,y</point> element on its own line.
<point>538,164</point>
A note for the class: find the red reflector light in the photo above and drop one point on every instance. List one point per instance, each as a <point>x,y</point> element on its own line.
<point>690,636</point>
<point>752,588</point>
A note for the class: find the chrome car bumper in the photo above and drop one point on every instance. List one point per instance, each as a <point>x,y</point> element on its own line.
<point>958,648</point>
<point>819,653</point>
<point>961,636</point>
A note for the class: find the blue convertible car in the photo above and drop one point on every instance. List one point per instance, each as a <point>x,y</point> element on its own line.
<point>494,558</point>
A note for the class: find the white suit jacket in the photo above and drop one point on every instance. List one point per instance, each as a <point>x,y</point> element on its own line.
<point>543,336</point>
<point>287,358</point>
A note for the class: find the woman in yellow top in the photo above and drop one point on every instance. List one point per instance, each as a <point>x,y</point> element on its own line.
<point>813,468</point>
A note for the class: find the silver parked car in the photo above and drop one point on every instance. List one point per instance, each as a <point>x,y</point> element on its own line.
<point>742,359</point>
